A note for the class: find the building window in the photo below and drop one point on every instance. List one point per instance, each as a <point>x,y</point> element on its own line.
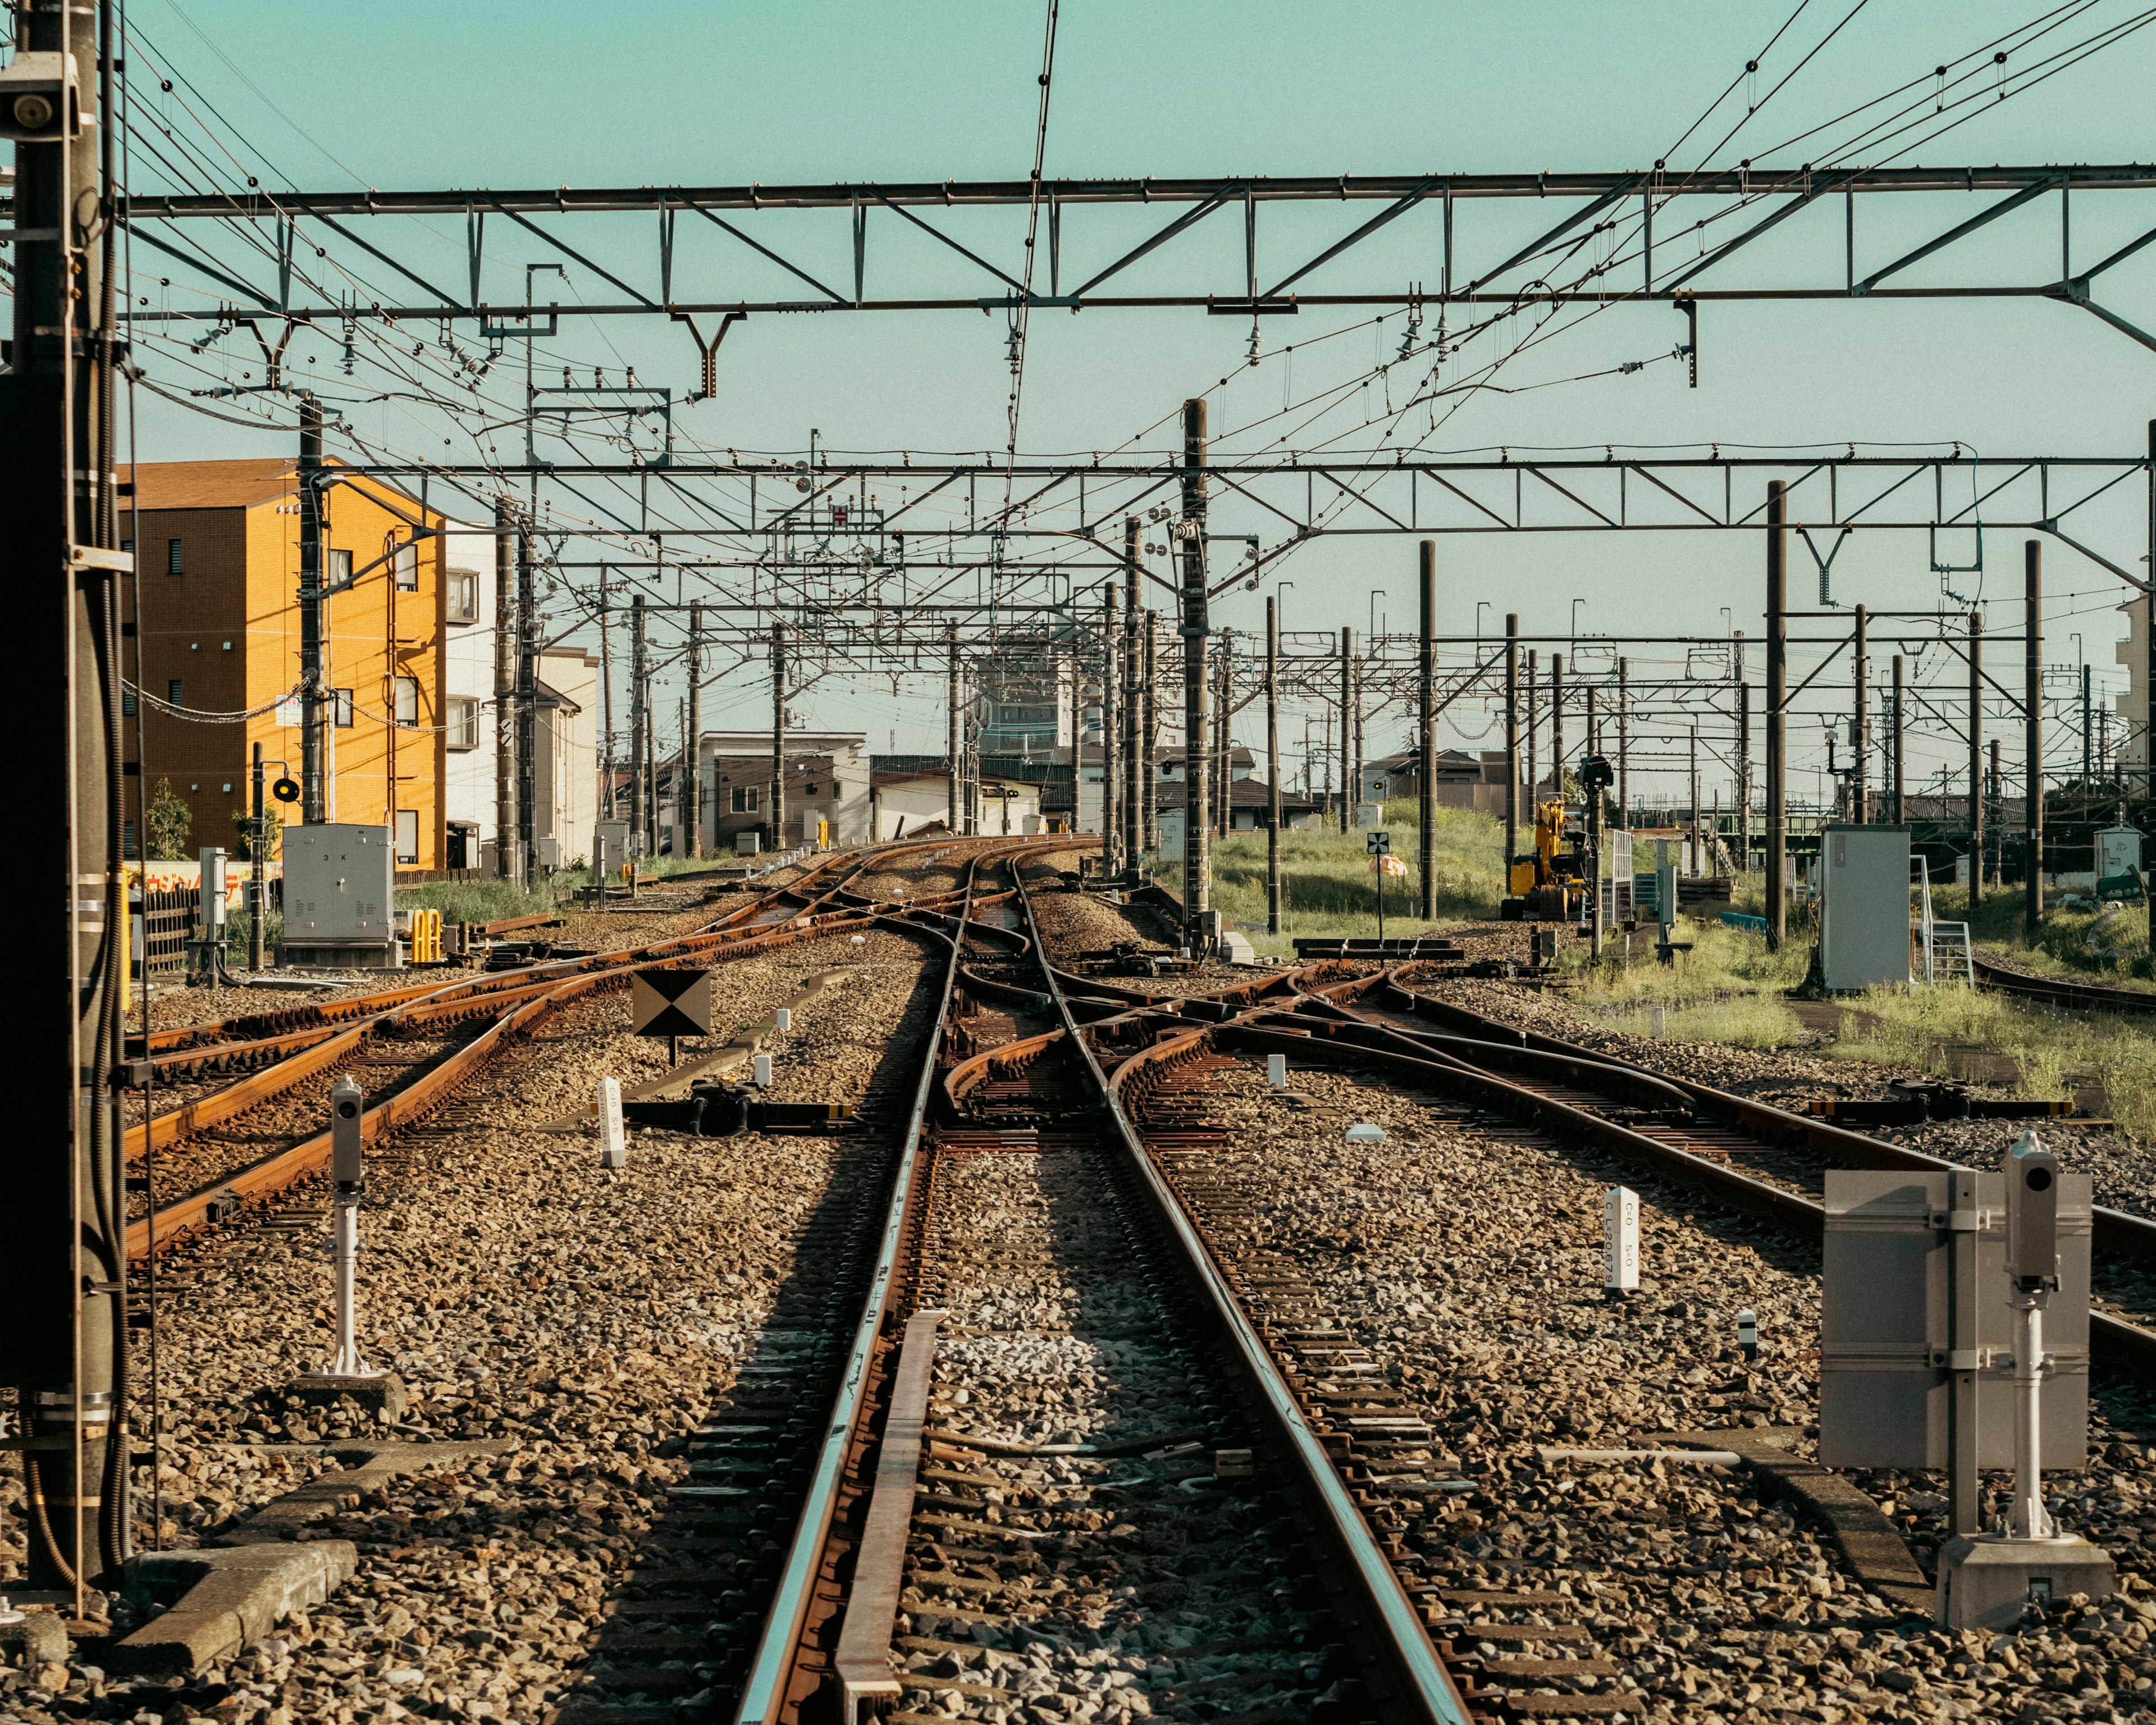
<point>127,837</point>
<point>463,722</point>
<point>811,790</point>
<point>127,702</point>
<point>462,597</point>
<point>406,562</point>
<point>337,568</point>
<point>127,545</point>
<point>746,798</point>
<point>407,700</point>
<point>341,708</point>
<point>172,565</point>
<point>172,691</point>
<point>407,835</point>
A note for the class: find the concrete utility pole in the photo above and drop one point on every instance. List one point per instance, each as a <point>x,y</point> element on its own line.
<point>64,1343</point>
<point>1224,746</point>
<point>692,762</point>
<point>527,712</point>
<point>1511,750</point>
<point>1692,814</point>
<point>1355,711</point>
<point>1557,725</point>
<point>313,698</point>
<point>1148,806</point>
<point>1901,777</point>
<point>1976,758</point>
<point>778,736</point>
<point>1593,797</point>
<point>1998,819</point>
<point>1744,775</point>
<point>2032,714</point>
<point>508,855</point>
<point>1195,626</point>
<point>1624,743</point>
<point>636,726</point>
<point>1272,767</point>
<point>1111,722</point>
<point>2087,738</point>
<point>1426,731</point>
<point>1860,742</point>
<point>1137,775</point>
<point>952,818</point>
<point>1534,779</point>
<point>1778,696</point>
<point>1346,729</point>
<point>606,703</point>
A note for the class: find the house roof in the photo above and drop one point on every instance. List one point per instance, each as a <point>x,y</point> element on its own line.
<point>240,483</point>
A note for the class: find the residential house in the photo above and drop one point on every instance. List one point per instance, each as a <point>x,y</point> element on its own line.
<point>826,783</point>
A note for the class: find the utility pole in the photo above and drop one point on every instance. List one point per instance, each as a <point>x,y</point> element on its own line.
<point>778,736</point>
<point>1355,710</point>
<point>1778,695</point>
<point>1744,773</point>
<point>313,698</point>
<point>1347,730</point>
<point>692,748</point>
<point>1272,767</point>
<point>1149,807</point>
<point>507,855</point>
<point>1557,725</point>
<point>1110,723</point>
<point>258,893</point>
<point>1975,759</point>
<point>1698,862</point>
<point>605,806</point>
<point>637,723</point>
<point>2032,713</point>
<point>1901,777</point>
<point>1860,741</point>
<point>1426,731</point>
<point>1534,773</point>
<point>1511,750</point>
<point>527,712</point>
<point>1224,763</point>
<point>2147,675</point>
<point>1592,796</point>
<point>1998,819</point>
<point>2087,737</point>
<point>66,1272</point>
<point>1624,743</point>
<point>1138,776</point>
<point>951,656</point>
<point>1195,626</point>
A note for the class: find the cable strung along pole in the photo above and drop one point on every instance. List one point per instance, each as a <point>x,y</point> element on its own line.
<point>778,736</point>
<point>1197,837</point>
<point>506,855</point>
<point>2032,716</point>
<point>1272,767</point>
<point>1426,731</point>
<point>1778,695</point>
<point>1511,749</point>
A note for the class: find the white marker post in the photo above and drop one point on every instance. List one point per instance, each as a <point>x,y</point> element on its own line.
<point>783,1019</point>
<point>1620,1242</point>
<point>1276,1070</point>
<point>614,1136</point>
<point>760,1067</point>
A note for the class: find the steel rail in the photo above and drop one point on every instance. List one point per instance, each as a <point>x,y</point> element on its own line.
<point>764,1692</point>
<point>2061,991</point>
<point>1424,1689</point>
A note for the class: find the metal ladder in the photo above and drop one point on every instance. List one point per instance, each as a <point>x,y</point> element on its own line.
<point>1954,953</point>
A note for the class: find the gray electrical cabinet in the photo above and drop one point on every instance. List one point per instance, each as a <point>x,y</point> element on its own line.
<point>1916,1335</point>
<point>1864,907</point>
<point>339,896</point>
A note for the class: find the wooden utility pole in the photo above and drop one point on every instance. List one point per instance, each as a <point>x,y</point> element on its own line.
<point>1778,690</point>
<point>1511,750</point>
<point>1195,626</point>
<point>692,763</point>
<point>2032,714</point>
<point>778,736</point>
<point>1272,767</point>
<point>1426,732</point>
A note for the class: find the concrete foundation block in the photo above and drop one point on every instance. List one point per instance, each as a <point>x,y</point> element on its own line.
<point>1986,1582</point>
<point>220,1600</point>
<point>39,1638</point>
<point>382,1393</point>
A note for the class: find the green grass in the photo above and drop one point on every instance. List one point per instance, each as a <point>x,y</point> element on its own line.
<point>475,900</point>
<point>2057,950</point>
<point>1327,887</point>
<point>1747,1021</point>
<point>1724,963</point>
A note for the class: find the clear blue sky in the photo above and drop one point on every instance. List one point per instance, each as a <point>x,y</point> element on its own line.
<point>540,94</point>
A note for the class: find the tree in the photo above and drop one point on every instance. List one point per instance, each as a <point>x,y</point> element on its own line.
<point>169,821</point>
<point>273,826</point>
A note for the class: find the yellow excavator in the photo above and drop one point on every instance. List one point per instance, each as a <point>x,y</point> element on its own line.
<point>1549,885</point>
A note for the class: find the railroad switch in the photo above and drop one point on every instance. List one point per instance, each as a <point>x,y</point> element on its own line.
<point>726,1110</point>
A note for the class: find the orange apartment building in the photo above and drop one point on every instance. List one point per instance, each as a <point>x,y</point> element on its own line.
<point>217,559</point>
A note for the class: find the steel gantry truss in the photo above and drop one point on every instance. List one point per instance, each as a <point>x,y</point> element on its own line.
<point>1704,219</point>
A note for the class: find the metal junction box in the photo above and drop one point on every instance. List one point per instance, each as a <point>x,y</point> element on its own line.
<point>1916,1334</point>
<point>340,894</point>
<point>1864,909</point>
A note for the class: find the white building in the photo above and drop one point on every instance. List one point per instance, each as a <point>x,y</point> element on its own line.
<point>827,781</point>
<point>906,802</point>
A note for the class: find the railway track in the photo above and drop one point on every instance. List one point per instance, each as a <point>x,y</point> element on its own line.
<point>2060,992</point>
<point>228,1146</point>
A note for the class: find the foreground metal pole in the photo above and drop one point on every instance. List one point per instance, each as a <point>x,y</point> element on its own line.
<point>1426,730</point>
<point>1272,767</point>
<point>1777,696</point>
<point>1511,750</point>
<point>1194,627</point>
<point>2032,714</point>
